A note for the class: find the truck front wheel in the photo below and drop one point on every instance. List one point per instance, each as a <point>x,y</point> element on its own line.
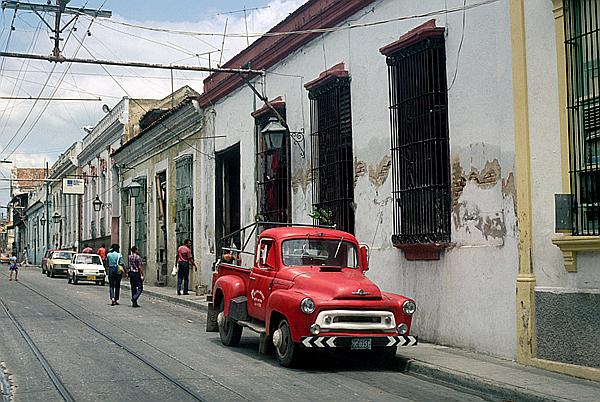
<point>229,330</point>
<point>286,350</point>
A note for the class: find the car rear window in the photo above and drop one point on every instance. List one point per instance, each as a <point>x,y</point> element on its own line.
<point>62,255</point>
<point>87,259</point>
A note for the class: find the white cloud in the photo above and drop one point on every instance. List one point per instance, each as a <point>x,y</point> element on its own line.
<point>60,124</point>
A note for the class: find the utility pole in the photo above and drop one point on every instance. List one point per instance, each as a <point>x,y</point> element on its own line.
<point>59,9</point>
<point>47,213</point>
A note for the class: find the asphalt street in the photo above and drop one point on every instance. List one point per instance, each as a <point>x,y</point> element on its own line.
<point>161,352</point>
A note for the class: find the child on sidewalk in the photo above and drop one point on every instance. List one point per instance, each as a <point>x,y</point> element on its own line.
<point>13,267</point>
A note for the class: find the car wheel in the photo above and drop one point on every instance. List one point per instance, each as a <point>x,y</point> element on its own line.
<point>229,330</point>
<point>102,282</point>
<point>286,351</point>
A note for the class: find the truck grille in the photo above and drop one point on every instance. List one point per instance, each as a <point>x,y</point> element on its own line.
<point>356,320</point>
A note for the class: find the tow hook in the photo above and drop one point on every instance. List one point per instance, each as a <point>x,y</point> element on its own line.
<point>277,338</point>
<point>221,319</point>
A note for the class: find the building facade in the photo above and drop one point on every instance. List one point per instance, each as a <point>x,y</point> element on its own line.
<point>162,161</point>
<point>64,216</point>
<point>101,177</point>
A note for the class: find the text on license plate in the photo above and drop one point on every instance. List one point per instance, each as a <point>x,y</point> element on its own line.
<point>361,344</point>
<point>91,278</point>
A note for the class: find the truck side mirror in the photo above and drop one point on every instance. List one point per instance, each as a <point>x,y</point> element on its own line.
<point>364,258</point>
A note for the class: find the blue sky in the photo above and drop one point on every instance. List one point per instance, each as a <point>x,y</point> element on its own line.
<point>33,133</point>
<point>164,10</point>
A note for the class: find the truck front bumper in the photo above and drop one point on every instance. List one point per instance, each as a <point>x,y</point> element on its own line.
<point>347,341</point>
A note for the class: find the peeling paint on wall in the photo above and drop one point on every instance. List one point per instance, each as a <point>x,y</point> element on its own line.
<point>360,169</point>
<point>378,174</point>
<point>301,178</point>
<point>478,203</point>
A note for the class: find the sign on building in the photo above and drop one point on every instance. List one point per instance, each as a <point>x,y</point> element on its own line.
<point>73,186</point>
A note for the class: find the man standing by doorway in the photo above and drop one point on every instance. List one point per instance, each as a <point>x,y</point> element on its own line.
<point>185,260</point>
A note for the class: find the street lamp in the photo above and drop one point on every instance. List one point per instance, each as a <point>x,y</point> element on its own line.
<point>43,220</point>
<point>56,217</point>
<point>274,132</point>
<point>134,189</point>
<point>97,204</point>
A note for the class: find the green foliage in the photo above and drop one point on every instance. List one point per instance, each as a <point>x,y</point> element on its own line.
<point>323,215</point>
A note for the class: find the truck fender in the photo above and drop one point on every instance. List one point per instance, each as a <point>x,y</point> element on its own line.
<point>228,287</point>
<point>287,304</point>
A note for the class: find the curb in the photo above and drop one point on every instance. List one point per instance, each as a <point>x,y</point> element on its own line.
<point>485,386</point>
<point>172,299</point>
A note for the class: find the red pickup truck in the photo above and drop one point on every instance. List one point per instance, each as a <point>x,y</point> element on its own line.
<point>307,289</point>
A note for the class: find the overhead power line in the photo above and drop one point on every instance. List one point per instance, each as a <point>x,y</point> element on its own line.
<point>131,64</point>
<point>311,31</point>
<point>51,99</point>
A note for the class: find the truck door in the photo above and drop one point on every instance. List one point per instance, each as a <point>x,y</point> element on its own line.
<point>261,278</point>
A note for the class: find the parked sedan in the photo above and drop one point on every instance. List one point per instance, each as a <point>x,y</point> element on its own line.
<point>4,259</point>
<point>58,262</point>
<point>86,267</point>
<point>45,260</point>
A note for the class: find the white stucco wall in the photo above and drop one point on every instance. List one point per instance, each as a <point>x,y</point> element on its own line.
<point>466,299</point>
<point>546,165</point>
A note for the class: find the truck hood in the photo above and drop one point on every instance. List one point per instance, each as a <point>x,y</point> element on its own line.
<point>345,284</point>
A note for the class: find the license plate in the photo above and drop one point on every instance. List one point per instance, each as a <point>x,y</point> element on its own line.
<point>361,344</point>
<point>91,278</point>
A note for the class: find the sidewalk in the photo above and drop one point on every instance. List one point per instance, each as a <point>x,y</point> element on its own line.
<point>501,379</point>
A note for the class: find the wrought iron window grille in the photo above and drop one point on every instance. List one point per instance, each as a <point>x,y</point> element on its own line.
<point>582,46</point>
<point>421,186</point>
<point>332,161</point>
<point>273,174</point>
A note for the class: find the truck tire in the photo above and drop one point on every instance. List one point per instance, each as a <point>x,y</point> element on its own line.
<point>287,351</point>
<point>230,331</point>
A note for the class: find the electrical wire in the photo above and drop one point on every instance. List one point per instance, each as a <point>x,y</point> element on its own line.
<point>145,110</point>
<point>462,38</point>
<point>308,31</point>
<point>41,92</point>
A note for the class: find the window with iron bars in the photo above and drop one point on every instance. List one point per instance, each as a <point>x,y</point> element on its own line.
<point>184,199</point>
<point>582,42</point>
<point>141,222</point>
<point>331,157</point>
<point>420,143</point>
<point>273,181</point>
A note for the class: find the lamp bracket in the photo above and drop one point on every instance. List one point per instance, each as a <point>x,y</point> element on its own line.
<point>299,140</point>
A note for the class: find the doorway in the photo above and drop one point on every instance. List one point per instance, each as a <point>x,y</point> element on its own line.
<point>227,197</point>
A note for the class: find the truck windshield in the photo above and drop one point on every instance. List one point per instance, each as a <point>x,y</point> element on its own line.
<point>319,252</point>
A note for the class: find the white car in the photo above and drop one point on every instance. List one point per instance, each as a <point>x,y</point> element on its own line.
<point>86,267</point>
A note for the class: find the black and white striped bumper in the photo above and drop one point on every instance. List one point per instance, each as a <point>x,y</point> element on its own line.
<point>346,341</point>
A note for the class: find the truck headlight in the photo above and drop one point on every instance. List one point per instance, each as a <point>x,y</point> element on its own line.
<point>402,329</point>
<point>307,305</point>
<point>409,307</point>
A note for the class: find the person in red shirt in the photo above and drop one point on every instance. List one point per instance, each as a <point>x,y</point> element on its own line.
<point>185,260</point>
<point>102,253</point>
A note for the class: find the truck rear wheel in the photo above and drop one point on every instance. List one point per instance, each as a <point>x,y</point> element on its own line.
<point>229,330</point>
<point>286,351</point>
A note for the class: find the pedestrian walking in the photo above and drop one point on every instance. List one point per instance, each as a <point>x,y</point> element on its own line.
<point>185,260</point>
<point>102,253</point>
<point>136,276</point>
<point>114,261</point>
<point>13,267</point>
